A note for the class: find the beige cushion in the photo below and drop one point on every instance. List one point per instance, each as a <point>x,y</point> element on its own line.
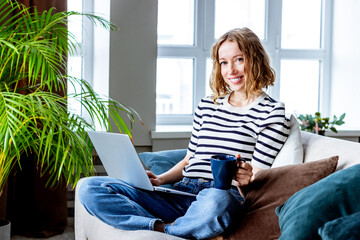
<point>317,147</point>
<point>292,152</point>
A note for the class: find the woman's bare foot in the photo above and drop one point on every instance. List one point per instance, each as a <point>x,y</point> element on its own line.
<point>159,226</point>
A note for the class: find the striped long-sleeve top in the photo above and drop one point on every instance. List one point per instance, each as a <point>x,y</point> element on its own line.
<point>257,132</point>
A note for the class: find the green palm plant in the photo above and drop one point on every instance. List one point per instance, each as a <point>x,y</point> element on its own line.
<point>34,118</point>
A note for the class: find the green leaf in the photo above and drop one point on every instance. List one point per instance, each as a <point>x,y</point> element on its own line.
<point>311,120</point>
<point>33,116</point>
<point>342,116</point>
<point>333,129</point>
<point>301,117</point>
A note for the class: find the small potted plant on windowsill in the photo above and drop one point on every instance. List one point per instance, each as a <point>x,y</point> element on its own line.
<point>317,124</point>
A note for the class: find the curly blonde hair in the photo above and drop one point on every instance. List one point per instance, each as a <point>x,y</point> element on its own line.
<point>259,74</point>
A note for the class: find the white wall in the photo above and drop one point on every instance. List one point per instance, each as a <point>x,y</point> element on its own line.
<point>133,52</point>
<point>345,87</point>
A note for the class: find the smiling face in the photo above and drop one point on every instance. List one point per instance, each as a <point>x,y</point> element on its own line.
<point>232,65</point>
<point>240,65</point>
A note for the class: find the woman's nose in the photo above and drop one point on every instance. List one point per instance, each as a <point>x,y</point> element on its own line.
<point>232,68</point>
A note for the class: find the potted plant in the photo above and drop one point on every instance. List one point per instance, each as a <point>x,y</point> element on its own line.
<point>317,124</point>
<point>34,119</point>
<point>5,227</point>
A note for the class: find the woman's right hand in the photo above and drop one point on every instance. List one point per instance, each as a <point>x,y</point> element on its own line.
<point>154,179</point>
<point>171,176</point>
<point>244,174</point>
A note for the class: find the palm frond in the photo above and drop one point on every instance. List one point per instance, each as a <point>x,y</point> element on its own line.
<point>32,50</point>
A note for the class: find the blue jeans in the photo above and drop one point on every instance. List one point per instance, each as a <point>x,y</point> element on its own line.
<point>122,206</point>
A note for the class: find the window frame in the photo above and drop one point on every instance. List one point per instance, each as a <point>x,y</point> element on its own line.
<point>204,17</point>
<point>94,40</point>
<point>84,49</point>
<point>323,55</point>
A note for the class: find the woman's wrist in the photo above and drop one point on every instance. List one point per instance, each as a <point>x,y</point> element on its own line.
<point>162,179</point>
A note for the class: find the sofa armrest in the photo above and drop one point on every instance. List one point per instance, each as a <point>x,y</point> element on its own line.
<point>88,227</point>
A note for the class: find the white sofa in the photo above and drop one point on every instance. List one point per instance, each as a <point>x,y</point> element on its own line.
<point>315,147</point>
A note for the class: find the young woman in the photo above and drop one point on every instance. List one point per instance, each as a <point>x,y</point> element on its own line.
<point>239,119</point>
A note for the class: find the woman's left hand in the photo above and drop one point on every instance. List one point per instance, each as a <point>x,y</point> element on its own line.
<point>244,174</point>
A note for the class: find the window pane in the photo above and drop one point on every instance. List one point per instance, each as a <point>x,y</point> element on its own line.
<point>301,24</point>
<point>174,86</point>
<point>176,22</point>
<point>231,14</point>
<point>74,70</point>
<point>299,85</point>
<point>75,22</point>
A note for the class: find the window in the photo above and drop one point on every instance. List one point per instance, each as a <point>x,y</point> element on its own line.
<point>174,88</point>
<point>91,60</point>
<point>75,60</point>
<point>295,83</point>
<point>176,22</point>
<point>295,33</point>
<point>177,61</point>
<point>252,15</point>
<point>298,47</point>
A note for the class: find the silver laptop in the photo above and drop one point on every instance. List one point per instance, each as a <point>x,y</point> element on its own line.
<point>121,161</point>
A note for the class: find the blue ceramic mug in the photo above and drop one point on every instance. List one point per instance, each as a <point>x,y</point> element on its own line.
<point>223,168</point>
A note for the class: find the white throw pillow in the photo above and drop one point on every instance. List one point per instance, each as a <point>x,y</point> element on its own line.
<point>292,152</point>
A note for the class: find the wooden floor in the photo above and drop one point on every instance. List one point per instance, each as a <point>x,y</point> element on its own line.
<point>67,235</point>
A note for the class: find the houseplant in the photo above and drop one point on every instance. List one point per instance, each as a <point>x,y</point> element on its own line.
<point>33,114</point>
<point>317,124</point>
<point>40,140</point>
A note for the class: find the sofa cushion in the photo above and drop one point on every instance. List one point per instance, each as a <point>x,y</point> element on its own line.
<point>272,188</point>
<point>88,227</point>
<point>318,147</point>
<point>292,152</point>
<point>161,161</point>
<point>347,227</point>
<point>306,211</point>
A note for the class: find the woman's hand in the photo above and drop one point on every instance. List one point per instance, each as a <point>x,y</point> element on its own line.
<point>244,174</point>
<point>171,176</point>
<point>154,179</point>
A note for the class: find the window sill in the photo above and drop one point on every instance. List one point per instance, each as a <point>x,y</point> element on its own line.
<point>343,133</point>
<point>171,131</point>
<point>184,131</point>
<point>170,137</point>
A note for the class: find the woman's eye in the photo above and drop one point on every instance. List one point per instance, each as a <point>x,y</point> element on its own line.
<point>223,63</point>
<point>239,59</point>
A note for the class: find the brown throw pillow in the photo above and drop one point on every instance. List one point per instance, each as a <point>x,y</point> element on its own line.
<point>272,188</point>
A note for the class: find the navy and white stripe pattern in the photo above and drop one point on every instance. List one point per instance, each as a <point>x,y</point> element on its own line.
<point>257,132</point>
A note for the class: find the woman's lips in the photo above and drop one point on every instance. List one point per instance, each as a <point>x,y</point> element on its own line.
<point>235,80</point>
